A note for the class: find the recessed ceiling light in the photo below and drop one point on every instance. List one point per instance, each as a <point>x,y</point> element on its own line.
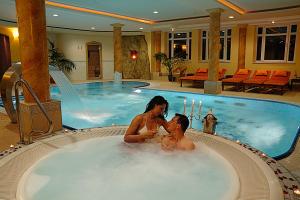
<point>141,28</point>
<point>93,28</point>
<point>273,22</point>
<point>55,15</point>
<point>231,17</point>
<point>155,12</point>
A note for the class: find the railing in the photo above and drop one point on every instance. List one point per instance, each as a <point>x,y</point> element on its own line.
<point>33,133</point>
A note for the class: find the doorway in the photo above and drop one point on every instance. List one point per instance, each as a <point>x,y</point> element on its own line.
<point>94,60</point>
<point>5,57</point>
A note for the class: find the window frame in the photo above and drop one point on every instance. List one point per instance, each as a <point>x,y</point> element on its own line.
<point>263,36</point>
<point>188,40</point>
<point>225,37</point>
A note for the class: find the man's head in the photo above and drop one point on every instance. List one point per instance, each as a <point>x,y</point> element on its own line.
<point>179,121</point>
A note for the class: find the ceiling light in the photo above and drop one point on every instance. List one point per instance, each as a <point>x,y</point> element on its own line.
<point>55,15</point>
<point>155,12</point>
<point>172,29</point>
<point>273,22</point>
<point>93,28</point>
<point>141,28</point>
<point>231,17</point>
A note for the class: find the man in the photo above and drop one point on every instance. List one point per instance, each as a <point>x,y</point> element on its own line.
<point>176,139</point>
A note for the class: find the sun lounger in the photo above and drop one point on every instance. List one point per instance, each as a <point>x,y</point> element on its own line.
<point>258,78</point>
<point>279,79</point>
<point>202,75</point>
<point>237,79</point>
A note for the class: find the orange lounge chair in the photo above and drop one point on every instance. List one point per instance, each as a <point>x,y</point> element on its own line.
<point>239,76</point>
<point>279,78</point>
<point>258,78</point>
<point>202,75</point>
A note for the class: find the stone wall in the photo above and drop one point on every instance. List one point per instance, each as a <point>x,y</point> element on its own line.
<point>140,67</point>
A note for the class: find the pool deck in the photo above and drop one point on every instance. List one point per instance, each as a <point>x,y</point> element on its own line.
<point>9,132</point>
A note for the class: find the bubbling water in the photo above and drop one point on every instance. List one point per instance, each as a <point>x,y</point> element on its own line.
<point>108,168</point>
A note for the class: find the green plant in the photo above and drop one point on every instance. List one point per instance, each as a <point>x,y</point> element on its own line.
<point>58,59</point>
<point>168,62</point>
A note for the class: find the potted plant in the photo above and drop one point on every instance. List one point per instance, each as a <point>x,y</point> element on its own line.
<point>58,59</point>
<point>168,62</point>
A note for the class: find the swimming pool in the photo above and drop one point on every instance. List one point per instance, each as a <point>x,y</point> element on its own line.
<point>266,125</point>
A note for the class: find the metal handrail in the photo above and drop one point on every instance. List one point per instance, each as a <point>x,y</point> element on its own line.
<point>19,83</point>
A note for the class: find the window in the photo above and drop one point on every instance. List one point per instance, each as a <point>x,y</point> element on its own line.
<point>180,45</point>
<point>225,42</point>
<point>276,43</point>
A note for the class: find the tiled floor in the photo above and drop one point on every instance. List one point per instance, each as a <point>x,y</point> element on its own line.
<point>9,132</point>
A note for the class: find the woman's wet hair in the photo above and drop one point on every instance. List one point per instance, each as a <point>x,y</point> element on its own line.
<point>158,100</point>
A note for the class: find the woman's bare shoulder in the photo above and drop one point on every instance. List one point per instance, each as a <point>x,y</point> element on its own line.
<point>139,118</point>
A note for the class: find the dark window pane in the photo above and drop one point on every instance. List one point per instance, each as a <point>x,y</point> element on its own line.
<point>222,33</point>
<point>294,29</point>
<point>222,48</point>
<point>229,32</point>
<point>260,30</point>
<point>273,30</point>
<point>190,49</point>
<point>179,35</point>
<point>190,34</point>
<point>258,48</point>
<point>170,35</point>
<point>203,49</point>
<point>292,47</point>
<point>228,48</point>
<point>203,33</point>
<point>275,47</point>
<point>170,48</point>
<point>180,48</point>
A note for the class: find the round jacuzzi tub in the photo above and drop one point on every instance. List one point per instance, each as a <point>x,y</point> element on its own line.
<point>108,168</point>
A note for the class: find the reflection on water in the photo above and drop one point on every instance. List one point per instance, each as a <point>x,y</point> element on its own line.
<point>268,126</point>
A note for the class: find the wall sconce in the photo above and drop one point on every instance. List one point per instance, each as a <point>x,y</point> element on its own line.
<point>15,32</point>
<point>133,54</point>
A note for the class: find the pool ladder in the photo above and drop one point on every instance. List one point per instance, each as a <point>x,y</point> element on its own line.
<point>33,133</point>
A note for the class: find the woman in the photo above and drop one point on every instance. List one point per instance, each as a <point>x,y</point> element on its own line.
<point>146,125</point>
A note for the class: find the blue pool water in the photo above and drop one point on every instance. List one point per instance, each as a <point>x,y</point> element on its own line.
<point>268,126</point>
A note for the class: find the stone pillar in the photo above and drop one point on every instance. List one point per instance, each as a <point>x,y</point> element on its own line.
<point>117,51</point>
<point>155,48</point>
<point>34,59</point>
<point>213,86</point>
<point>242,46</point>
<point>33,47</point>
<point>196,46</point>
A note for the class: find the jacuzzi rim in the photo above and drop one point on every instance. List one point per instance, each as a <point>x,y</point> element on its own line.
<point>271,182</point>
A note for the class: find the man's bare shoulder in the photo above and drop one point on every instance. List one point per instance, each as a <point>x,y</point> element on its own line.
<point>187,144</point>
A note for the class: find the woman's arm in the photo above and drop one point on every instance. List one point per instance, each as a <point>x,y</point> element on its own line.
<point>164,123</point>
<point>132,135</point>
